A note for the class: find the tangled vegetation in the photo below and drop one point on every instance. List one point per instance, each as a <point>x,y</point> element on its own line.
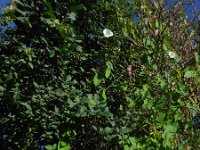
<point>98,74</point>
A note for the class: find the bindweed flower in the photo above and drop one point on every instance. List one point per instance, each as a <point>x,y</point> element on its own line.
<point>12,7</point>
<point>172,54</point>
<point>9,8</point>
<point>107,33</point>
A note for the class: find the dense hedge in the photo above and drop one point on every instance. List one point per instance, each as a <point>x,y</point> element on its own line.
<point>98,74</point>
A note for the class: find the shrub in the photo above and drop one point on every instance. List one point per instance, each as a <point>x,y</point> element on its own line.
<point>98,74</point>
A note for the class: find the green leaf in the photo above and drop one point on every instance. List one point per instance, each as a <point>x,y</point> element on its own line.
<point>51,147</point>
<point>126,147</point>
<point>104,94</point>
<point>125,130</point>
<point>36,84</point>
<point>165,47</point>
<point>162,83</point>
<point>26,105</point>
<point>124,30</point>
<point>60,92</point>
<point>24,13</point>
<point>178,116</point>
<point>133,142</point>
<point>64,146</point>
<point>190,74</point>
<point>17,1</point>
<point>109,65</point>
<point>79,48</point>
<point>56,109</point>
<point>157,24</point>
<point>2,88</point>
<point>91,100</point>
<point>108,130</point>
<point>161,117</point>
<point>108,72</point>
<point>28,53</point>
<point>69,78</point>
<point>96,81</point>
<point>171,128</point>
<point>30,65</point>
<point>168,134</point>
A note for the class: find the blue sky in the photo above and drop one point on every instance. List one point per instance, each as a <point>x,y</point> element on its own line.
<point>2,2</point>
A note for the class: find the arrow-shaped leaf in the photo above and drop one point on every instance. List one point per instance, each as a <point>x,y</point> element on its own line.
<point>96,80</point>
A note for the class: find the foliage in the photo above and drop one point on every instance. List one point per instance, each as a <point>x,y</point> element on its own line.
<point>64,83</point>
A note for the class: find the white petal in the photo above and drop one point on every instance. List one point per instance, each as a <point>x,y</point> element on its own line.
<point>172,54</point>
<point>107,33</point>
<point>12,7</point>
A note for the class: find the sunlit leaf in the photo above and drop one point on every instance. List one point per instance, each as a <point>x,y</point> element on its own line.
<point>96,80</point>
<point>92,102</point>
<point>108,130</point>
<point>104,94</point>
<point>108,72</point>
<point>190,74</point>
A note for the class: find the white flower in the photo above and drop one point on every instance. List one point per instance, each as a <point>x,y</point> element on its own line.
<point>172,54</point>
<point>107,33</point>
<point>12,7</point>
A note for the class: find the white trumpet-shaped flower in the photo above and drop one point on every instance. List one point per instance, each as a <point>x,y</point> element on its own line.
<point>11,7</point>
<point>172,54</point>
<point>107,33</point>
